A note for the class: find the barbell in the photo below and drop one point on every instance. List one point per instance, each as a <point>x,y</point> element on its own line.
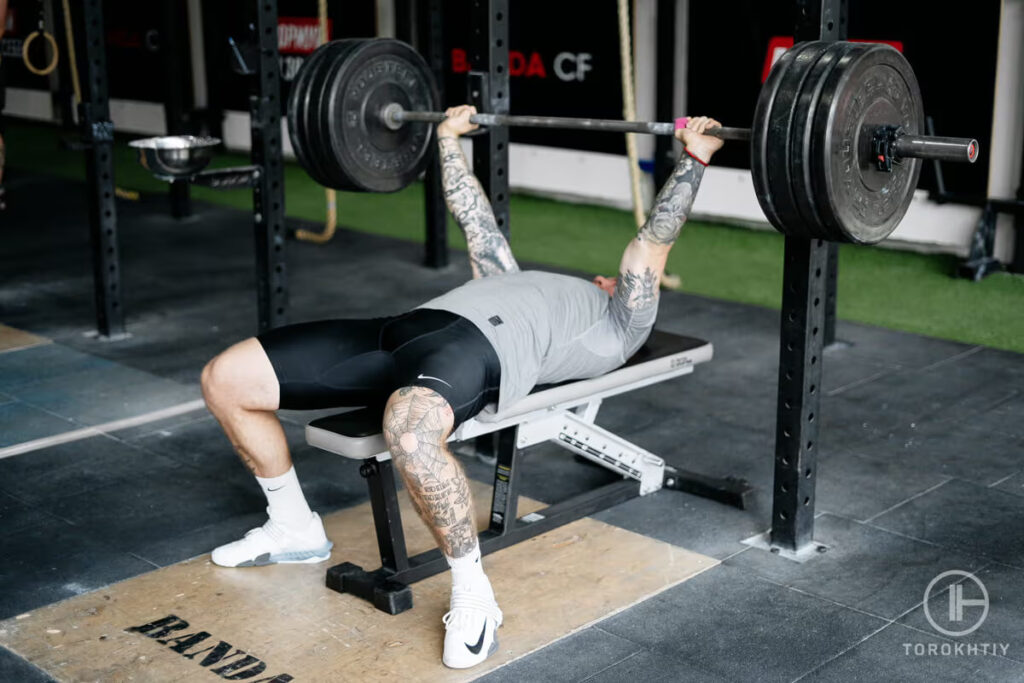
<point>903,146</point>
<point>836,143</point>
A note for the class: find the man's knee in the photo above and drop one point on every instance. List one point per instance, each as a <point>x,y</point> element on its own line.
<point>216,381</point>
<point>417,422</point>
<point>240,377</point>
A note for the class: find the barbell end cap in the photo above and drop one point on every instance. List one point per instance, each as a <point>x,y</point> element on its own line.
<point>972,151</point>
<point>391,115</point>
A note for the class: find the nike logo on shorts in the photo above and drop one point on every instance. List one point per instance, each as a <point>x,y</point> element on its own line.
<point>438,379</point>
<point>475,649</point>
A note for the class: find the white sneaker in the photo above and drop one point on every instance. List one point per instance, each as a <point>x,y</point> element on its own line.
<point>273,543</point>
<point>471,628</point>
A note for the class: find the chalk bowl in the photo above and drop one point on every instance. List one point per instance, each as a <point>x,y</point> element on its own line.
<point>174,157</point>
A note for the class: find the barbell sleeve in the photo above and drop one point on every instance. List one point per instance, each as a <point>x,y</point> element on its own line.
<point>935,147</point>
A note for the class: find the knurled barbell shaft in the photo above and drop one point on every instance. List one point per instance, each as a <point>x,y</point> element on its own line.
<point>393,115</point>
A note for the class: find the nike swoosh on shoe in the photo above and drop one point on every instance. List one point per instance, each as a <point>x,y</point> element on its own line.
<point>475,649</point>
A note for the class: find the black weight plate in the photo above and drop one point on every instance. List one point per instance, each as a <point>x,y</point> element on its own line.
<point>374,157</point>
<point>800,139</point>
<point>321,157</point>
<point>295,98</point>
<point>771,135</point>
<point>819,145</point>
<point>759,137</point>
<point>869,87</point>
<point>311,140</point>
<point>313,91</point>
<point>320,117</point>
<point>782,163</point>
<point>297,101</point>
<point>818,140</point>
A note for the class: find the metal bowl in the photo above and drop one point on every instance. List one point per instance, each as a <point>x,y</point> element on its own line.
<point>175,156</point>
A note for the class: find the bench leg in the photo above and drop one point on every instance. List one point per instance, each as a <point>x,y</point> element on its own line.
<point>727,490</point>
<point>379,587</point>
<point>505,500</point>
<point>578,433</point>
<point>387,517</point>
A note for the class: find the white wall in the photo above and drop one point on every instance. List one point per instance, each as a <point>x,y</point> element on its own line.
<point>129,116</point>
<point>29,104</point>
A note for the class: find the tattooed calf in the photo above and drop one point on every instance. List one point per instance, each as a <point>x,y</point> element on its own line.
<point>417,422</point>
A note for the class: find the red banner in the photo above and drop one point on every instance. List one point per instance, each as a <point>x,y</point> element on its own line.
<point>299,35</point>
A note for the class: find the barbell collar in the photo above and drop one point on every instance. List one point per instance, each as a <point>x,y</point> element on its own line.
<point>393,116</point>
<point>937,148</point>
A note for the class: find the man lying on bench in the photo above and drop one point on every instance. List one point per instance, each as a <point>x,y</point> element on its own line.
<point>493,338</point>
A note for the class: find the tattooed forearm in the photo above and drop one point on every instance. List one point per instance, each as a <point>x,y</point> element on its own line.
<point>489,251</point>
<point>416,425</point>
<point>673,203</point>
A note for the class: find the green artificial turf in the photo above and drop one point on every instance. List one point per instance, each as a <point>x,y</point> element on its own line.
<point>895,289</point>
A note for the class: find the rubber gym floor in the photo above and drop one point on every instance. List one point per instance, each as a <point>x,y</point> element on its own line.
<point>920,467</point>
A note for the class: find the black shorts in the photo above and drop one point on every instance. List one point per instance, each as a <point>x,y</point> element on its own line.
<point>338,363</point>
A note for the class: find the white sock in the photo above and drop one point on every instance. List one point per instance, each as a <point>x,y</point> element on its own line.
<point>468,572</point>
<point>287,505</point>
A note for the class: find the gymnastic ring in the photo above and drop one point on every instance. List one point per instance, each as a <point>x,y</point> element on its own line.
<point>45,71</point>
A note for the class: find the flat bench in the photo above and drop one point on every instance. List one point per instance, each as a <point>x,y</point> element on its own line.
<point>563,414</point>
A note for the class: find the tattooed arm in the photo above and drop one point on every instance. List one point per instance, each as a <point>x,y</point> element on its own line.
<point>635,301</point>
<point>489,251</point>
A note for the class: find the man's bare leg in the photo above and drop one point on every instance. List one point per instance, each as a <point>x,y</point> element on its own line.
<point>417,423</point>
<point>242,392</point>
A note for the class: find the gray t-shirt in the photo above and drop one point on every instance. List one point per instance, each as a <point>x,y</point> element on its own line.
<point>547,327</point>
